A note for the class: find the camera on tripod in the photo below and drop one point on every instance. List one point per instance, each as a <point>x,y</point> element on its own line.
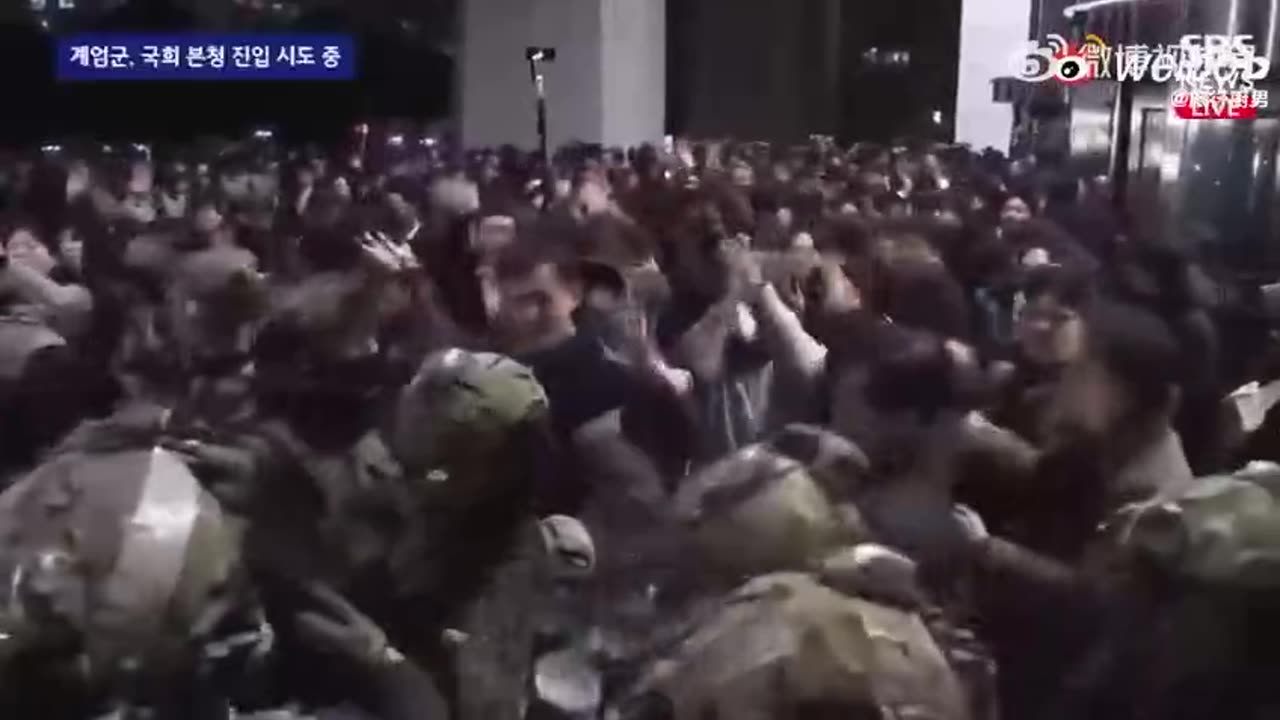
<point>540,54</point>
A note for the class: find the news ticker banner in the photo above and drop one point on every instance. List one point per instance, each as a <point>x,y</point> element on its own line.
<point>205,56</point>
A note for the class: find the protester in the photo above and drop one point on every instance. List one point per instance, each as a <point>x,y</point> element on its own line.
<point>752,399</point>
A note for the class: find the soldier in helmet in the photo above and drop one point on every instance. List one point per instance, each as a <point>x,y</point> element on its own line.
<point>322,382</point>
<point>124,592</point>
<point>473,435</point>
<point>111,562</point>
<point>779,564</point>
<point>426,517</point>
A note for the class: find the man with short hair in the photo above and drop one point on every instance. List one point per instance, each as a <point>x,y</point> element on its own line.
<point>540,291</point>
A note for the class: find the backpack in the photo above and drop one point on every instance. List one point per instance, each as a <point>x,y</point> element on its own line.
<point>785,642</point>
<point>1222,531</point>
<point>757,511</point>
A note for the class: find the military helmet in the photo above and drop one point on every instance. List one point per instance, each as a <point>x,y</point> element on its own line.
<point>461,407</point>
<point>757,511</point>
<point>837,463</point>
<point>784,645</point>
<point>1222,531</point>
<point>123,552</point>
<point>570,548</point>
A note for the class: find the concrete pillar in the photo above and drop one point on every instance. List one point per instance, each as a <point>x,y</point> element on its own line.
<point>607,85</point>
<point>991,33</point>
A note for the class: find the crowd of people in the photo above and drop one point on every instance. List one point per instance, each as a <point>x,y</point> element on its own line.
<point>712,430</point>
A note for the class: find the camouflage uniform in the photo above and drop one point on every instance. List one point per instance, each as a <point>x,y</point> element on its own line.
<point>1193,577</point>
<point>803,637</point>
<point>119,564</point>
<point>476,563</point>
<point>349,504</point>
<point>127,593</point>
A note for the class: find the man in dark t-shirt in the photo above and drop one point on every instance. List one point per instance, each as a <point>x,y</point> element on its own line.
<point>542,293</point>
<point>541,290</point>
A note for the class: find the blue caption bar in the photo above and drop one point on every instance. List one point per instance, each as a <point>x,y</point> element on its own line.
<point>205,56</point>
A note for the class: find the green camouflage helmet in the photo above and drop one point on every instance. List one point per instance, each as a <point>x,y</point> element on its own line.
<point>461,407</point>
<point>1221,530</point>
<point>836,462</point>
<point>124,551</point>
<point>784,645</point>
<point>757,511</point>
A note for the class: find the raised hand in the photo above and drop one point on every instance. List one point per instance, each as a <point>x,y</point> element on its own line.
<point>335,627</point>
<point>387,255</point>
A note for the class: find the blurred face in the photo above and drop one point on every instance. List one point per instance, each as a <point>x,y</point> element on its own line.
<point>262,185</point>
<point>1050,333</point>
<point>1089,400</point>
<point>141,178</point>
<point>342,188</point>
<point>892,438</point>
<point>535,312</point>
<point>702,257</point>
<point>207,219</point>
<point>178,184</point>
<point>139,206</point>
<point>592,199</point>
<point>235,185</point>
<point>828,291</point>
<point>71,250</point>
<point>455,194</point>
<point>24,247</point>
<point>495,233</point>
<point>742,176</point>
<point>603,300</point>
<point>874,182</point>
<point>402,213</point>
<point>1014,210</point>
<point>628,181</point>
<point>78,180</point>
